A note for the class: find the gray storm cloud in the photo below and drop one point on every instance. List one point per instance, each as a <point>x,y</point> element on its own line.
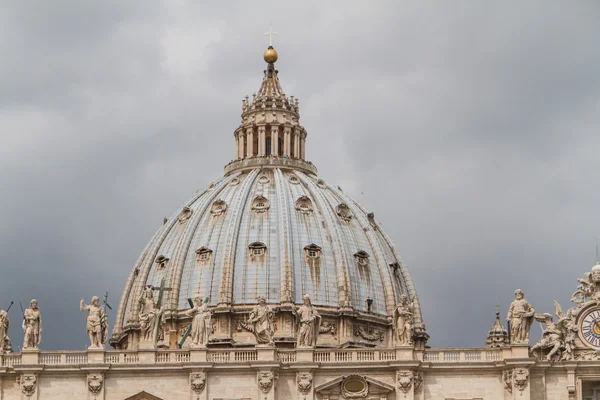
<point>471,130</point>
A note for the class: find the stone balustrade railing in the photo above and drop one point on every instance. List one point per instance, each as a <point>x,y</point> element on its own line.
<point>462,355</point>
<point>244,356</point>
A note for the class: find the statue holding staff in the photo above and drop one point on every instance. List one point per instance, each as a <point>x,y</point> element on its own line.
<point>32,326</point>
<point>96,323</point>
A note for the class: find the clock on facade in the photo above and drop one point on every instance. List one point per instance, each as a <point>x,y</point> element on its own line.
<point>589,327</point>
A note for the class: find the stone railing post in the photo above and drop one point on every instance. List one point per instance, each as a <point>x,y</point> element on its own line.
<point>30,356</point>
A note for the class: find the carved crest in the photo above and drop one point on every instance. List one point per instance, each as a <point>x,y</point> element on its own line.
<point>197,382</point>
<point>520,378</point>
<point>265,381</point>
<point>95,384</point>
<point>28,384</point>
<point>354,387</point>
<point>304,381</point>
<point>405,380</point>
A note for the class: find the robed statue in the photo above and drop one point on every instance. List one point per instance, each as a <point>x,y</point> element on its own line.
<point>96,323</point>
<point>201,327</point>
<point>149,316</point>
<point>309,320</point>
<point>403,316</point>
<point>4,325</point>
<point>520,316</point>
<point>32,326</point>
<point>261,318</point>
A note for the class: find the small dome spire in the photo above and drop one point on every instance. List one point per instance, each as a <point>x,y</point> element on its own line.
<point>270,55</point>
<point>497,336</point>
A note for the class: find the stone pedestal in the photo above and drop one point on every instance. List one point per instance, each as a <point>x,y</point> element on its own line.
<point>519,350</point>
<point>304,354</point>
<point>266,352</point>
<point>198,355</point>
<point>146,345</point>
<point>95,356</point>
<point>30,356</point>
<point>146,356</point>
<point>405,352</point>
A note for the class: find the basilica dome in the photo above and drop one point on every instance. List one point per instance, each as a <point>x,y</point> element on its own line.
<point>271,228</point>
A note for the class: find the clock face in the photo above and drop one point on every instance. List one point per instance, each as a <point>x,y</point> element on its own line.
<point>589,328</point>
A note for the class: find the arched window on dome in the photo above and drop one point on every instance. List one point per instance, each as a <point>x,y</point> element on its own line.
<point>218,208</point>
<point>162,262</point>
<point>304,205</point>
<point>312,255</point>
<point>260,204</point>
<point>257,251</point>
<point>203,255</point>
<point>268,146</point>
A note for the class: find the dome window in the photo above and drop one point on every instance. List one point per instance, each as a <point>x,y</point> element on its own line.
<point>185,214</point>
<point>257,250</point>
<point>343,211</point>
<point>203,255</point>
<point>218,208</point>
<point>321,183</point>
<point>312,251</point>
<point>162,262</point>
<point>234,182</point>
<point>304,205</point>
<point>294,180</point>
<point>260,204</point>
<point>264,179</point>
<point>362,258</point>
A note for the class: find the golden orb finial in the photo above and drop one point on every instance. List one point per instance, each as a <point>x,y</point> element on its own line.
<point>270,55</point>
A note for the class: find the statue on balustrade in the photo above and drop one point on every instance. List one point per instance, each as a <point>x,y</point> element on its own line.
<point>403,315</point>
<point>309,321</point>
<point>96,323</point>
<point>520,317</point>
<point>261,318</point>
<point>32,326</point>
<point>149,316</point>
<point>4,324</point>
<point>201,327</point>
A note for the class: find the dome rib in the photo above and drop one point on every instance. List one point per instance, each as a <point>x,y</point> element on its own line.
<point>231,239</point>
<point>287,284</point>
<point>343,282</point>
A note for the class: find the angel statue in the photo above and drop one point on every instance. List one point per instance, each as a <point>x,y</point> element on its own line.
<point>96,323</point>
<point>585,290</point>
<point>557,336</point>
<point>403,317</point>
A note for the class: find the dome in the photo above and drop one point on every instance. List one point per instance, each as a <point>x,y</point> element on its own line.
<point>270,227</point>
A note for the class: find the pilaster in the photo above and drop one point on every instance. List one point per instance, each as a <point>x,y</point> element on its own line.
<point>296,143</point>
<point>262,140</point>
<point>249,142</point>
<point>241,145</point>
<point>287,132</point>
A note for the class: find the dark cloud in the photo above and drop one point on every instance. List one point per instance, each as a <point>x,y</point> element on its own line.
<point>470,131</point>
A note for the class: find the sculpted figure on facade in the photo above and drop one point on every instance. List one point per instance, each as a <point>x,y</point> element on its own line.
<point>404,325</point>
<point>558,336</point>
<point>520,317</point>
<point>201,327</point>
<point>4,325</point>
<point>309,322</point>
<point>96,323</point>
<point>585,290</point>
<point>149,316</point>
<point>32,326</point>
<point>261,318</point>
<point>304,382</point>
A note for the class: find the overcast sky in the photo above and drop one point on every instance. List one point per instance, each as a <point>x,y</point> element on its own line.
<point>471,129</point>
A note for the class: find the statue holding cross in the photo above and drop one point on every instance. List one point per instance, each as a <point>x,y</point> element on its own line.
<point>151,313</point>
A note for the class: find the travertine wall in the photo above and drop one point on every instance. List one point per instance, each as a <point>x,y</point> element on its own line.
<point>240,382</point>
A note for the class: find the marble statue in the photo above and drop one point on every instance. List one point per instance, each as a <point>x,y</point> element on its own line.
<point>149,316</point>
<point>261,318</point>
<point>520,316</point>
<point>552,336</point>
<point>585,290</point>
<point>4,324</point>
<point>309,321</point>
<point>96,323</point>
<point>32,326</point>
<point>403,317</point>
<point>558,336</point>
<point>201,327</point>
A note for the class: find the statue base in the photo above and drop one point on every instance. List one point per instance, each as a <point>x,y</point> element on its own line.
<point>519,350</point>
<point>146,345</point>
<point>30,355</point>
<point>95,355</point>
<point>197,346</point>
<point>266,352</point>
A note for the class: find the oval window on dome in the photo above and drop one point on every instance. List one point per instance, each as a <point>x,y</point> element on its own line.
<point>218,208</point>
<point>185,214</point>
<point>294,180</point>
<point>264,179</point>
<point>161,261</point>
<point>343,211</point>
<point>304,205</point>
<point>362,258</point>
<point>321,183</point>
<point>234,182</point>
<point>260,204</point>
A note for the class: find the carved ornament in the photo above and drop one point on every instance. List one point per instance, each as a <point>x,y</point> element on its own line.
<point>520,378</point>
<point>95,383</point>
<point>371,334</point>
<point>404,380</point>
<point>265,381</point>
<point>28,384</point>
<point>354,387</point>
<point>197,382</point>
<point>304,381</point>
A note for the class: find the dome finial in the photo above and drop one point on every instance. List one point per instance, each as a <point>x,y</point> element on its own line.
<point>270,55</point>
